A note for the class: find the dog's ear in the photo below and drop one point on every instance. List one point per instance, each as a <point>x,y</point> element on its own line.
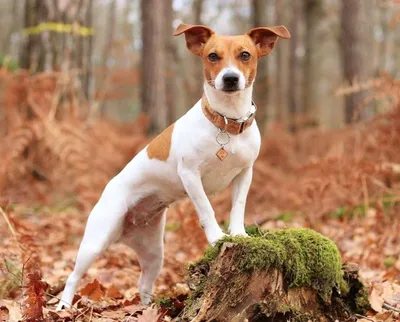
<point>196,36</point>
<point>266,37</point>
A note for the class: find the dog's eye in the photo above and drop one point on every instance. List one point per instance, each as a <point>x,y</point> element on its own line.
<point>213,57</point>
<point>245,56</point>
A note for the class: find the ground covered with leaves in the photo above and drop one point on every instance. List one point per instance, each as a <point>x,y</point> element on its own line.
<point>57,156</point>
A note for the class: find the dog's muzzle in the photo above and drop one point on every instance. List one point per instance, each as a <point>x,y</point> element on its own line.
<point>230,82</point>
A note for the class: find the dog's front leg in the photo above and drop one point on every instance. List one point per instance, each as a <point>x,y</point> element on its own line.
<point>191,180</point>
<point>240,188</point>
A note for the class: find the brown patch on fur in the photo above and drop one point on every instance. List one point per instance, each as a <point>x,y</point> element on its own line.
<point>160,147</point>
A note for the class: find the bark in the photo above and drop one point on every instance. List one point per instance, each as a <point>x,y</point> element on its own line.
<point>261,87</point>
<point>51,49</point>
<point>221,292</point>
<point>280,63</point>
<point>314,15</point>
<point>171,66</point>
<point>194,76</point>
<point>354,58</point>
<point>153,64</point>
<point>294,105</point>
<point>110,30</point>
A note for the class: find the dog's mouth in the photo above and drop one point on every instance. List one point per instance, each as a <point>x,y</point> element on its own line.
<point>230,90</point>
<point>226,89</point>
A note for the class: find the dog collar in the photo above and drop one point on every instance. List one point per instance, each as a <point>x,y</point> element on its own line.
<point>226,124</point>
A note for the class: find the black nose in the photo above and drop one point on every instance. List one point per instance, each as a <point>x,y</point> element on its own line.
<point>230,79</point>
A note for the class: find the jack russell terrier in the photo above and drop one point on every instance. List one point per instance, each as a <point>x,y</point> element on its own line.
<point>215,143</point>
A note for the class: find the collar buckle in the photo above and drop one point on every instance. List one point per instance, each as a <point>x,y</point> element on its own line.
<point>226,123</point>
<point>241,127</point>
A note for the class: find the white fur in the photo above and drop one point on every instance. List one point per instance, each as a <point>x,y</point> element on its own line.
<point>146,187</point>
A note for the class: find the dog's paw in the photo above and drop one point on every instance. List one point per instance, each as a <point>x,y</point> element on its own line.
<point>145,298</point>
<point>237,230</point>
<point>213,238</point>
<point>239,233</point>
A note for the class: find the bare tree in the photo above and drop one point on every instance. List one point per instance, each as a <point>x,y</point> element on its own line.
<point>294,68</point>
<point>171,66</point>
<point>353,49</point>
<point>58,34</point>
<point>280,63</point>
<point>261,89</point>
<point>196,77</point>
<point>110,30</point>
<point>313,15</point>
<point>153,64</point>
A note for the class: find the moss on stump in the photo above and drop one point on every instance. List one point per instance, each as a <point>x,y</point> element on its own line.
<point>277,275</point>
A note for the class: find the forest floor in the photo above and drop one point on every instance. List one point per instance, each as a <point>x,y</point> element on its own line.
<point>370,239</point>
<point>343,183</point>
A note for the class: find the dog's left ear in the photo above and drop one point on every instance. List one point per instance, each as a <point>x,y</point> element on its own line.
<point>196,36</point>
<point>266,37</point>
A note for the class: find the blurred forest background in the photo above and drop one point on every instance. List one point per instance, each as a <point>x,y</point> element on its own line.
<point>86,84</point>
<point>123,50</point>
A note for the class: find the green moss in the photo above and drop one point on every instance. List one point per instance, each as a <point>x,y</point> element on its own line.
<point>389,261</point>
<point>164,302</point>
<point>286,216</point>
<point>344,287</point>
<point>305,257</point>
<point>362,302</point>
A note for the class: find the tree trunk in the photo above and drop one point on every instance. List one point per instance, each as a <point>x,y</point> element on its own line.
<point>153,64</point>
<point>110,31</point>
<point>261,87</point>
<point>314,15</point>
<point>294,107</point>
<point>171,66</point>
<point>280,63</point>
<point>281,275</point>
<point>58,36</point>
<point>194,73</point>
<point>354,53</point>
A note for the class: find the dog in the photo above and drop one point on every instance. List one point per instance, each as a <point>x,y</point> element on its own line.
<point>214,144</point>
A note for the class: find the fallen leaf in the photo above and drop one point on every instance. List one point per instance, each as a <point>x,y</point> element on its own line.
<point>385,316</point>
<point>4,314</point>
<point>132,309</point>
<point>93,291</point>
<point>14,310</point>
<point>114,293</point>
<point>134,300</point>
<point>376,300</point>
<point>114,314</point>
<point>149,315</point>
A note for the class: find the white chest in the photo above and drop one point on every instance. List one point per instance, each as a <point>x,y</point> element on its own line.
<point>216,174</point>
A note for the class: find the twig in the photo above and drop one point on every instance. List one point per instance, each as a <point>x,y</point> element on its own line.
<point>389,307</point>
<point>359,316</point>
<point>365,193</point>
<point>91,314</point>
<point>10,226</point>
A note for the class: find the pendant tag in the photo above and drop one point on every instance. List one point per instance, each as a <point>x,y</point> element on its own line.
<point>222,154</point>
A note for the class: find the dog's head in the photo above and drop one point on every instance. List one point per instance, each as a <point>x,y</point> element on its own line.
<point>230,62</point>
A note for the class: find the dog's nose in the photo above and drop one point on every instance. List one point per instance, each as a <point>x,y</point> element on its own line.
<point>231,79</point>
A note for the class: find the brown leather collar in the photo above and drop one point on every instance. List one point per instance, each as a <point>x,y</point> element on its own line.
<point>231,126</point>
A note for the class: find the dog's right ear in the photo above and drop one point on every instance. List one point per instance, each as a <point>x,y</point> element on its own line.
<point>196,36</point>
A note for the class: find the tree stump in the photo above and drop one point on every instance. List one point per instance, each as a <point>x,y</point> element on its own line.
<point>282,275</point>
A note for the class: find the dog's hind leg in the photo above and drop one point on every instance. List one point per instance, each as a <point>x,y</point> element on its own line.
<point>103,227</point>
<point>147,241</point>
